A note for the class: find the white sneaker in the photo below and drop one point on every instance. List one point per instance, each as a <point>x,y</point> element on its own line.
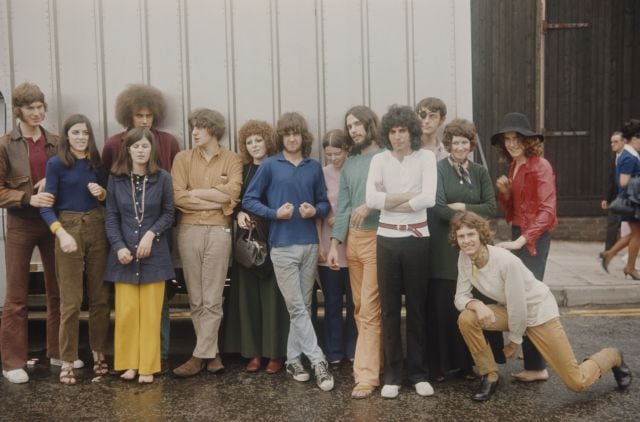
<point>77,364</point>
<point>324,379</point>
<point>16,376</point>
<point>390,391</point>
<point>423,388</point>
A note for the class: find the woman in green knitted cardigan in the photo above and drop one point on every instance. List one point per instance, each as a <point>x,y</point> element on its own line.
<point>462,185</point>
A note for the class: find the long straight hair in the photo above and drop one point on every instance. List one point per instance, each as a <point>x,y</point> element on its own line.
<point>64,149</point>
<point>124,164</point>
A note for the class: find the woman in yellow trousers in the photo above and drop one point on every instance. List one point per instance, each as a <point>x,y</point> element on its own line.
<point>139,216</point>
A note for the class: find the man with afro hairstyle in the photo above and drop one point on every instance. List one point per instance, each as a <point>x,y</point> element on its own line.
<point>143,106</point>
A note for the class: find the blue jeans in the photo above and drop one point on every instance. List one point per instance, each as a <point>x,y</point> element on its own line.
<point>295,269</point>
<point>339,334</point>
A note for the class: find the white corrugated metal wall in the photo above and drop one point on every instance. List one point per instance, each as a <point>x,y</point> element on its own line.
<point>245,58</point>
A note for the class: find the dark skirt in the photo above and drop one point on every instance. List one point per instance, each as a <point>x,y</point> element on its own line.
<point>447,353</point>
<point>446,349</point>
<point>256,321</point>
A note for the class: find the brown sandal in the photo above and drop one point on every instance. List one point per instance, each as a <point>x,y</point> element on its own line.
<point>67,376</point>
<point>100,367</point>
<point>362,391</point>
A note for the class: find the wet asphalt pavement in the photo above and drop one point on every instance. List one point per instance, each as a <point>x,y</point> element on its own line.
<point>237,395</point>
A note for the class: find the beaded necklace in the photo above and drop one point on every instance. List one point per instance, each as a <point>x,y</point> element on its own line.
<point>139,212</point>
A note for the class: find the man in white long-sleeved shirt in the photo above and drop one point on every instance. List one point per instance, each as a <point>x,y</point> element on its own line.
<point>525,306</point>
<point>402,184</point>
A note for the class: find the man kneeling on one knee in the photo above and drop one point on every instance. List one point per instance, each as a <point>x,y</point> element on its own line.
<point>525,306</point>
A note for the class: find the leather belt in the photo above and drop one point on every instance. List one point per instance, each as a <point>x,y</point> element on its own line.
<point>413,228</point>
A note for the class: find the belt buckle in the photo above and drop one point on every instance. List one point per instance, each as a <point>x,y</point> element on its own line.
<point>400,227</point>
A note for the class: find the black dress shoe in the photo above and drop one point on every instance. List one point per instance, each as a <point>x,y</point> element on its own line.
<point>486,389</point>
<point>622,374</point>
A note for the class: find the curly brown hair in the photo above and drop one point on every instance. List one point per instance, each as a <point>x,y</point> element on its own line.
<point>24,94</point>
<point>473,221</point>
<point>533,147</point>
<point>460,127</point>
<point>294,122</point>
<point>401,116</point>
<point>260,128</point>
<point>136,97</point>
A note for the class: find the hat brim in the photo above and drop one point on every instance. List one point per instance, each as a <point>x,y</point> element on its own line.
<point>520,130</point>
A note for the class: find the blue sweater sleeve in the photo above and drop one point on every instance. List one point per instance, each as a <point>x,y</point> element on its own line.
<point>322,202</point>
<point>52,175</point>
<point>255,192</point>
<point>165,221</point>
<point>112,218</point>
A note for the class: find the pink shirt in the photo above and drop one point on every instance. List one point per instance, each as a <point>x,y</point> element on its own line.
<point>332,180</point>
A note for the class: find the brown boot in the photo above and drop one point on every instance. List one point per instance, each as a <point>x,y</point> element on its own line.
<point>215,365</point>
<point>189,368</point>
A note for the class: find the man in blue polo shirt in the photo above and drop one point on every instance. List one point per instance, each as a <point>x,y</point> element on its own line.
<point>289,190</point>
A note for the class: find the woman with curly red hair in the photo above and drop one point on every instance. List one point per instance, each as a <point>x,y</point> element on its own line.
<point>257,321</point>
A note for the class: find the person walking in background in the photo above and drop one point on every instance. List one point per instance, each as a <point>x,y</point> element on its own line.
<point>23,159</point>
<point>144,106</point>
<point>613,221</point>
<point>525,307</point>
<point>355,225</point>
<point>139,218</point>
<point>433,113</point>
<point>402,184</point>
<point>627,166</point>
<point>206,183</point>
<point>528,198</point>
<point>77,180</point>
<point>339,332</point>
<point>462,185</point>
<point>256,323</point>
<point>289,190</point>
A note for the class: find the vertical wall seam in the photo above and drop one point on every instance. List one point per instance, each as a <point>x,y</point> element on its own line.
<point>144,40</point>
<point>100,66</point>
<point>321,80</point>
<point>11,57</point>
<point>55,59</point>
<point>366,68</point>
<point>231,77</point>
<point>11,63</point>
<point>185,80</point>
<point>275,42</point>
<point>411,62</point>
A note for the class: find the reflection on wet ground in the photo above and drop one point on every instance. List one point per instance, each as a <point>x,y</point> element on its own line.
<point>237,395</point>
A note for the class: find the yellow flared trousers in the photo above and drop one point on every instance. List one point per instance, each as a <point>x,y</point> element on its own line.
<point>137,336</point>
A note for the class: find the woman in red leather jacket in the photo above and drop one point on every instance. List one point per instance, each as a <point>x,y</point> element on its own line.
<point>528,199</point>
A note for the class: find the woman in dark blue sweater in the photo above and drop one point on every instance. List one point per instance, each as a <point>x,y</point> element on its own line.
<point>77,179</point>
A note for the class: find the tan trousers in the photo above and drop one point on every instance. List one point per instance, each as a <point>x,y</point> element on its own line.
<point>137,333</point>
<point>363,273</point>
<point>205,252</point>
<point>550,340</point>
<point>88,260</point>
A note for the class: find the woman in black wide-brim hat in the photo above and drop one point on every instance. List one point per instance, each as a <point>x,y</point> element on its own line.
<point>528,199</point>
